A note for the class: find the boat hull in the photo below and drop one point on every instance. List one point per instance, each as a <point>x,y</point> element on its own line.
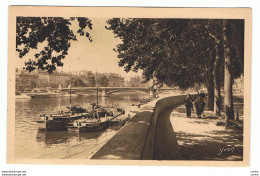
<point>52,125</point>
<point>44,95</point>
<point>118,122</point>
<point>90,127</point>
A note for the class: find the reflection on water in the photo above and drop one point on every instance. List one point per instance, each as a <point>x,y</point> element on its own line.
<point>31,143</point>
<point>56,137</point>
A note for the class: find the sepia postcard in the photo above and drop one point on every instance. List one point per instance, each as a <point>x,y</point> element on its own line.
<point>129,86</point>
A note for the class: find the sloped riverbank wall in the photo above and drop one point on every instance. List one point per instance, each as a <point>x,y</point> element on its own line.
<point>148,135</point>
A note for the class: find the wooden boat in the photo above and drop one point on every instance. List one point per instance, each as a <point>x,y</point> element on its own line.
<point>97,121</point>
<point>59,121</point>
<point>88,126</point>
<point>120,120</point>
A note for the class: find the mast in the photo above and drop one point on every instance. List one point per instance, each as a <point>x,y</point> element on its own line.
<point>70,98</point>
<point>70,92</point>
<point>97,86</point>
<point>97,95</point>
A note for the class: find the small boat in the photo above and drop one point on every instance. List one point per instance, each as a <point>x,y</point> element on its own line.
<point>120,120</point>
<point>59,121</point>
<point>19,95</point>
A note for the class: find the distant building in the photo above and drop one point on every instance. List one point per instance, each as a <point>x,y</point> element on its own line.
<point>115,80</point>
<point>29,80</point>
<point>137,81</point>
<point>55,78</point>
<point>25,80</point>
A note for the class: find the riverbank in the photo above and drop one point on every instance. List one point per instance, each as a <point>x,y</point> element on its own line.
<point>137,139</point>
<point>30,143</point>
<point>128,142</point>
<point>161,131</point>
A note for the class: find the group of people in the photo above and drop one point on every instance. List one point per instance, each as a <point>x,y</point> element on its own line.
<point>199,104</point>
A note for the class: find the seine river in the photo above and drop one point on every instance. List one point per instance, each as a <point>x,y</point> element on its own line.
<point>33,144</point>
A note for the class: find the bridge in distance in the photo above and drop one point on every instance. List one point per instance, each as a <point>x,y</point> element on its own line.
<point>109,90</point>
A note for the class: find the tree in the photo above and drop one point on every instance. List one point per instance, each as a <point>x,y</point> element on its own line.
<point>91,79</point>
<point>148,45</point>
<point>159,46</point>
<point>233,36</point>
<point>180,52</point>
<point>135,81</point>
<point>103,81</point>
<point>197,47</point>
<point>76,82</point>
<point>55,31</point>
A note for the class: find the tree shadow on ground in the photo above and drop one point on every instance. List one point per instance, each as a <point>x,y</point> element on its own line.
<point>206,141</point>
<point>217,145</point>
<point>200,122</point>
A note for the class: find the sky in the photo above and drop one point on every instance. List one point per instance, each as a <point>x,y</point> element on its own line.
<point>97,56</point>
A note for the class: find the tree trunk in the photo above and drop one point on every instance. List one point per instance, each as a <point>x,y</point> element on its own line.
<point>228,102</point>
<point>210,85</point>
<point>217,100</point>
<point>210,89</point>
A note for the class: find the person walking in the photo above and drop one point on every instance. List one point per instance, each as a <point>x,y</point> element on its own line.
<point>188,105</point>
<point>200,104</point>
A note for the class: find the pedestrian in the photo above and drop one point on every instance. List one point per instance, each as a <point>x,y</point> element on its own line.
<point>188,105</point>
<point>199,104</point>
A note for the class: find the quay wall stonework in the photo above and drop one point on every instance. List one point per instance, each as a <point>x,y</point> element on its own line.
<point>136,140</point>
<point>161,105</point>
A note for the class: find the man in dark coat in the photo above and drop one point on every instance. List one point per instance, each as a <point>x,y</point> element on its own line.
<point>200,105</point>
<point>188,105</point>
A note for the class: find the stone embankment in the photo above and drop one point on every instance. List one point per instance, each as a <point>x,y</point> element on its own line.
<point>148,135</point>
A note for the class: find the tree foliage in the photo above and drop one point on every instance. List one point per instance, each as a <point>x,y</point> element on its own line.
<point>55,31</point>
<point>103,81</point>
<point>91,79</point>
<point>76,81</point>
<point>176,52</point>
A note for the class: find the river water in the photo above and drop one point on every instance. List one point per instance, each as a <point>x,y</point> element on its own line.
<point>33,144</point>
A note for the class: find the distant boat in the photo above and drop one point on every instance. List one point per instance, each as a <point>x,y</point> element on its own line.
<point>45,93</point>
<point>19,95</point>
